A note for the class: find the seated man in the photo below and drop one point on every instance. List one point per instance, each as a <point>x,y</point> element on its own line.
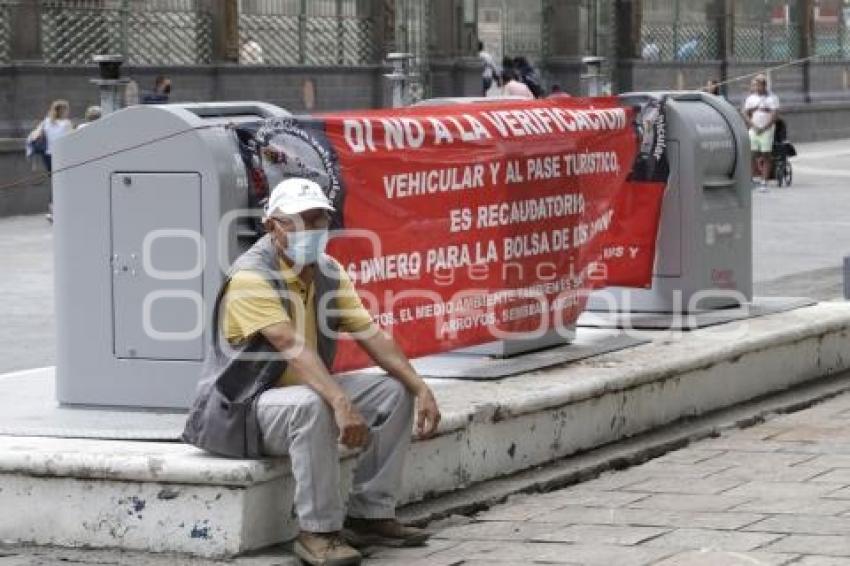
<point>310,411</point>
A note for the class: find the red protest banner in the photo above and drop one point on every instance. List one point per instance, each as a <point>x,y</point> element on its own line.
<point>469,223</point>
<point>492,219</point>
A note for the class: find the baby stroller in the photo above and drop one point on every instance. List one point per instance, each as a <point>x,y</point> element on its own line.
<point>782,151</point>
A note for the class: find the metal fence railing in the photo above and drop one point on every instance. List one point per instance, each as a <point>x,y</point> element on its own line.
<point>763,30</point>
<point>5,32</point>
<point>413,23</point>
<point>831,39</point>
<point>765,41</point>
<point>157,36</point>
<point>679,41</point>
<point>152,32</point>
<point>321,32</point>
<point>523,29</point>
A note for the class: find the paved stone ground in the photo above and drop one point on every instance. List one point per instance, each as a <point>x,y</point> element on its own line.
<point>822,284</point>
<point>777,493</point>
<point>804,227</point>
<point>774,494</point>
<point>27,332</point>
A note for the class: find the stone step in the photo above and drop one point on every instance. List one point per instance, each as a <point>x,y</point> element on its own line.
<point>164,496</point>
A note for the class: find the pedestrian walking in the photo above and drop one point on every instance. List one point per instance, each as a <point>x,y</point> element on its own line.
<point>650,51</point>
<point>557,91</point>
<point>489,74</point>
<point>713,87</point>
<point>43,138</point>
<point>251,53</point>
<point>161,91</point>
<point>277,293</point>
<point>512,87</point>
<point>528,76</point>
<point>92,113</point>
<point>689,50</point>
<point>55,125</point>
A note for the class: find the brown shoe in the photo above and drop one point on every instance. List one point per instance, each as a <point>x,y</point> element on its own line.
<point>361,533</point>
<point>325,549</point>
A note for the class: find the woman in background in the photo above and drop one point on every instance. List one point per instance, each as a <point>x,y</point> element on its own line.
<point>54,126</point>
<point>42,139</point>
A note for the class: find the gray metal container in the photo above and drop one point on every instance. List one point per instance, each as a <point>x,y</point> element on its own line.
<point>704,252</point>
<point>139,202</point>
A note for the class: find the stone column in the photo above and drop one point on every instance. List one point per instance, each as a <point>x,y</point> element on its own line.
<point>382,14</point>
<point>629,16</point>
<point>225,30</point>
<point>455,68</point>
<point>445,29</point>
<point>25,25</point>
<point>723,13</point>
<point>564,28</point>
<point>805,19</point>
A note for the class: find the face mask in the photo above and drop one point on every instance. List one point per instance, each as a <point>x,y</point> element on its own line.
<point>305,246</point>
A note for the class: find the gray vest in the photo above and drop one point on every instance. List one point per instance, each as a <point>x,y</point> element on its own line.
<point>223,417</point>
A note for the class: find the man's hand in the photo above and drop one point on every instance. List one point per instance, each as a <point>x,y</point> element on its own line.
<point>353,431</point>
<point>427,412</point>
<point>386,354</point>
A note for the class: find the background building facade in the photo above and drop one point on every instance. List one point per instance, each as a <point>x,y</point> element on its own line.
<point>329,54</point>
<point>314,55</point>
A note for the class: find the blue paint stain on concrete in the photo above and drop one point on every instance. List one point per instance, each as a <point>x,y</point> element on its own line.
<point>138,504</point>
<point>200,531</point>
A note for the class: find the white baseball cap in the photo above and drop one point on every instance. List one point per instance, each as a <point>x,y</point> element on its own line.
<point>295,195</point>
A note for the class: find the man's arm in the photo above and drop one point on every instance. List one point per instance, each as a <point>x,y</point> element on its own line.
<point>747,111</point>
<point>385,353</point>
<point>774,111</point>
<point>309,370</point>
<point>388,356</point>
<point>772,121</point>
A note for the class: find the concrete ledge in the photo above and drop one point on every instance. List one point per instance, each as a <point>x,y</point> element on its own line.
<point>169,497</point>
<point>161,462</point>
<point>12,144</point>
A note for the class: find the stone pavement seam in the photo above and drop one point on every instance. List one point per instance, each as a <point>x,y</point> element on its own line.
<point>627,453</point>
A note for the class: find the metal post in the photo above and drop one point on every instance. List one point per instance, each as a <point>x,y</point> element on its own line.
<point>806,45</point>
<point>302,33</point>
<point>125,19</point>
<point>762,49</point>
<point>591,79</point>
<point>340,32</point>
<point>24,26</point>
<point>627,43</point>
<point>398,78</point>
<point>110,84</point>
<point>225,30</point>
<point>726,47</point>
<point>676,15</point>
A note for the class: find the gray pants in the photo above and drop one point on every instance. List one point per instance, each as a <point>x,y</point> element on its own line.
<point>296,422</point>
